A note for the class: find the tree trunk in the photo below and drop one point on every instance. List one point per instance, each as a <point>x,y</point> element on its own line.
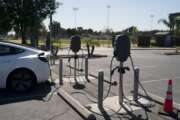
<point>34,37</point>
<point>23,37</point>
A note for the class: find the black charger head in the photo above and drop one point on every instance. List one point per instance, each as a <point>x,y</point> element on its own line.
<point>75,44</point>
<point>122,47</point>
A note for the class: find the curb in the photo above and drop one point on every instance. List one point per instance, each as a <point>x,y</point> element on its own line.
<point>153,48</point>
<point>82,111</point>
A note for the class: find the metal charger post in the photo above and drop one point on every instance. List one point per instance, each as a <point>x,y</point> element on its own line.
<point>100,95</point>
<point>86,69</point>
<point>75,63</point>
<point>60,71</point>
<point>100,90</point>
<point>121,84</point>
<point>136,85</point>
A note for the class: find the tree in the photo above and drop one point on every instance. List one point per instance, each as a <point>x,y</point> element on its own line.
<point>172,23</point>
<point>71,32</point>
<point>132,32</point>
<point>5,21</point>
<point>56,28</point>
<point>28,14</point>
<point>43,31</point>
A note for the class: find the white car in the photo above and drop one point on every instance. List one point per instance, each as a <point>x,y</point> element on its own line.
<point>22,67</point>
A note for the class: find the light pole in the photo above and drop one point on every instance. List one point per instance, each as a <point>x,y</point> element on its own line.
<point>50,33</point>
<point>107,29</point>
<point>60,4</point>
<point>108,14</point>
<point>151,25</point>
<point>75,9</point>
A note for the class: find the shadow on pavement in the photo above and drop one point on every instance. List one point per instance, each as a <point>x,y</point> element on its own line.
<point>94,56</point>
<point>39,92</point>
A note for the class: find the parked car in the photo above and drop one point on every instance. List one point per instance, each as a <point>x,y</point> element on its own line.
<point>22,67</point>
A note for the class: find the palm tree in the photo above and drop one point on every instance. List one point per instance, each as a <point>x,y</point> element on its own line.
<point>171,23</point>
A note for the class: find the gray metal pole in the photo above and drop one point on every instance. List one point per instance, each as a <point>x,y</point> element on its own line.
<point>75,68</point>
<point>60,71</point>
<point>86,68</point>
<point>100,90</point>
<point>50,36</point>
<point>121,85</point>
<point>136,81</point>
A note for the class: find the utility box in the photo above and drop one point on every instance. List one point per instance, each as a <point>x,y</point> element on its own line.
<point>164,39</point>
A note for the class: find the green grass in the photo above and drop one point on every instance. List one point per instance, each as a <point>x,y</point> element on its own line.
<point>65,42</point>
<point>62,43</point>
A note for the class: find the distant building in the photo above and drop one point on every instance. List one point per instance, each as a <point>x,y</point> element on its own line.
<point>163,39</point>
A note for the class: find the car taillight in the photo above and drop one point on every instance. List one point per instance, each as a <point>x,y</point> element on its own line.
<point>42,57</point>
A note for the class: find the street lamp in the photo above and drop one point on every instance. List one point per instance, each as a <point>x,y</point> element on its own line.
<point>60,4</point>
<point>107,30</point>
<point>151,25</point>
<point>108,14</point>
<point>75,9</point>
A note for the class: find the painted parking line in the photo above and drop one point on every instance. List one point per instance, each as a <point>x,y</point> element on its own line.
<point>150,66</point>
<point>149,81</point>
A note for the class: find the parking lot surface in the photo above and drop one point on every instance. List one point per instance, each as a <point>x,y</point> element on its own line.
<point>44,104</point>
<point>155,69</point>
<point>41,104</point>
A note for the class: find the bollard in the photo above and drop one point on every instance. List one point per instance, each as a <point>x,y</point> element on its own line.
<point>100,90</point>
<point>136,83</point>
<point>60,71</point>
<point>86,68</point>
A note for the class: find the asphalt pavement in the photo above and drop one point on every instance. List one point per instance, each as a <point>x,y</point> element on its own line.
<point>155,68</point>
<point>42,103</point>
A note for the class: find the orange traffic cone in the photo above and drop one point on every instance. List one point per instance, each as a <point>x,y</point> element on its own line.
<point>168,103</point>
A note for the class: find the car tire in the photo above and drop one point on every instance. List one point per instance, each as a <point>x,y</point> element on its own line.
<point>21,81</point>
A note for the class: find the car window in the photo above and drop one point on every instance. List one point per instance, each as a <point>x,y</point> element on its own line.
<point>7,50</point>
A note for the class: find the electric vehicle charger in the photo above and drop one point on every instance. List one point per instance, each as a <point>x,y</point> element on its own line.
<point>121,43</point>
<point>121,52</point>
<point>75,46</point>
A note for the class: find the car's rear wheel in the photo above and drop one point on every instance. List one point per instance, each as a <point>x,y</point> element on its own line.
<point>21,80</point>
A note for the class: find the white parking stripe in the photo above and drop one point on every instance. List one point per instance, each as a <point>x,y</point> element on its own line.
<point>152,66</point>
<point>149,81</point>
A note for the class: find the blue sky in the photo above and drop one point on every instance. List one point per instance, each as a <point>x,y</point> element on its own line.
<point>123,13</point>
